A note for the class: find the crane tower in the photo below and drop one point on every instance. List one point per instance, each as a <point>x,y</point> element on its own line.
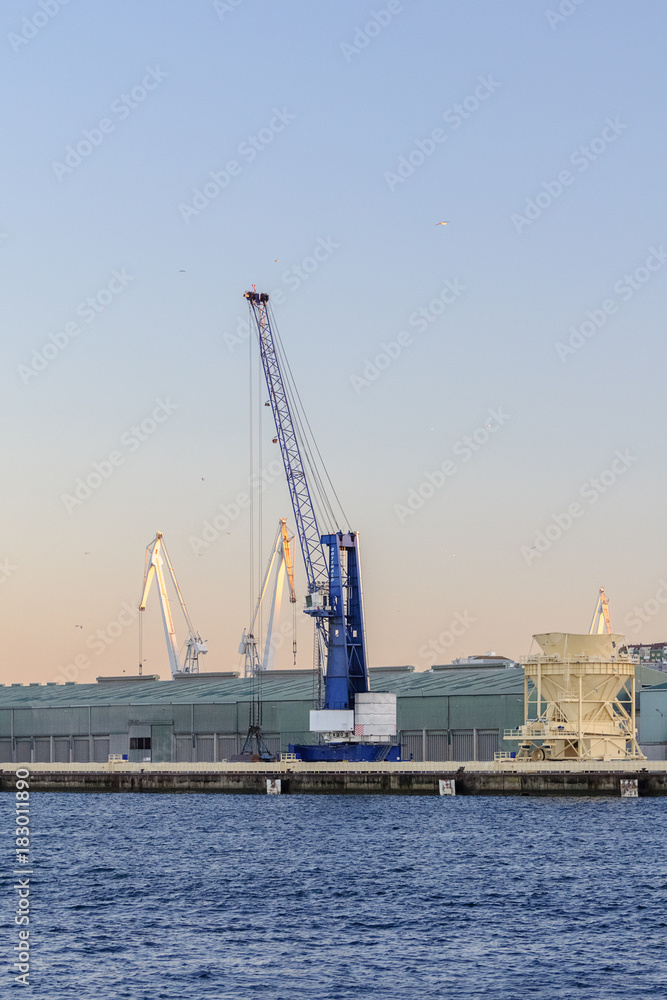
<point>356,724</point>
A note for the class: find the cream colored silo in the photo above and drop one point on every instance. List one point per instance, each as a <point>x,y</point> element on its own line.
<point>579,700</point>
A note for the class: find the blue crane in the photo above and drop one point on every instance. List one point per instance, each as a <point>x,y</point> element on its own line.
<point>332,561</point>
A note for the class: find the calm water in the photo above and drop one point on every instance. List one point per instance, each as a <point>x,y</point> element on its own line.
<point>330,898</point>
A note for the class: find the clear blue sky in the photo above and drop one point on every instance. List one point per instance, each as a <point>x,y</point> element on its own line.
<point>350,129</point>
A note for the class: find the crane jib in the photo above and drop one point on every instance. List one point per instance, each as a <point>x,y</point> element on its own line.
<point>334,583</point>
<point>302,503</point>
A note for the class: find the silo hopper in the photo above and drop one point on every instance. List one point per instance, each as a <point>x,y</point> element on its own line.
<point>579,700</point>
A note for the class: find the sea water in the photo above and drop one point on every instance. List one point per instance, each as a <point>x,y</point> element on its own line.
<point>147,896</point>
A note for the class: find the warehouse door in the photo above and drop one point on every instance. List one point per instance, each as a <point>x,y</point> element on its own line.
<point>61,751</point>
<point>227,747</point>
<point>161,743</point>
<point>437,747</point>
<point>487,745</point>
<point>183,749</point>
<point>42,751</point>
<point>205,749</point>
<point>462,745</point>
<point>411,746</point>
<point>23,751</point>
<point>272,744</point>
<point>81,754</point>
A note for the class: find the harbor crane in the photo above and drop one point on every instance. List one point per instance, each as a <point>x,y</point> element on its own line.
<point>279,566</point>
<point>156,557</point>
<point>280,561</point>
<point>353,723</point>
<point>600,620</point>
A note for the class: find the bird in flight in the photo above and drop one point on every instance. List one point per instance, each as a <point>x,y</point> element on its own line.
<point>441,223</point>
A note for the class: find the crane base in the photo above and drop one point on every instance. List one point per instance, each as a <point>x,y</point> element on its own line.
<point>351,752</point>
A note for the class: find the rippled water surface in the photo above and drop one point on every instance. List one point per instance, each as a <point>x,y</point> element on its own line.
<point>295,897</point>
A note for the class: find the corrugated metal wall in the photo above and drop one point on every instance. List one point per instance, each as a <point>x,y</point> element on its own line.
<point>433,725</point>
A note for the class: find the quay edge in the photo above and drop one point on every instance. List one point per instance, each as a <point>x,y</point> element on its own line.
<point>405,778</point>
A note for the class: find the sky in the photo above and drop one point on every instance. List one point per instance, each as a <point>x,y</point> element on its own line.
<point>487,394</point>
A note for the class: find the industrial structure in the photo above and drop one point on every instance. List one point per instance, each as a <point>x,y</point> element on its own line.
<point>353,723</point>
<point>601,622</point>
<point>579,700</point>
<point>279,567</point>
<point>459,715</point>
<point>156,557</point>
<point>254,666</point>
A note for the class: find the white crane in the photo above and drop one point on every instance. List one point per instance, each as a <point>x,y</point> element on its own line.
<point>194,644</point>
<point>601,616</point>
<point>281,561</point>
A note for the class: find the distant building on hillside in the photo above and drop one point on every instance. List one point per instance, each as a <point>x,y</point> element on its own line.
<point>490,660</point>
<point>652,654</point>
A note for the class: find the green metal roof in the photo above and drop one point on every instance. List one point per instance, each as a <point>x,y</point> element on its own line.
<point>199,690</point>
<point>202,691</point>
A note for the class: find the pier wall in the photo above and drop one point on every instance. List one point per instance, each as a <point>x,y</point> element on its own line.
<point>359,779</point>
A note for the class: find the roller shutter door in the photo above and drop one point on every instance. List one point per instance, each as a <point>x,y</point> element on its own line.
<point>487,745</point>
<point>462,746</point>
<point>411,746</point>
<point>81,754</point>
<point>205,749</point>
<point>437,746</point>
<point>61,751</point>
<point>227,747</point>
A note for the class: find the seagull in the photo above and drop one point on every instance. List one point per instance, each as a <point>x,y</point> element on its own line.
<point>441,223</point>
<point>78,626</point>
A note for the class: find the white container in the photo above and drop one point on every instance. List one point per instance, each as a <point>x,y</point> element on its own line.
<point>332,721</point>
<point>375,708</point>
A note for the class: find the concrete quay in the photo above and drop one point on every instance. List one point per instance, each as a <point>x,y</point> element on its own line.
<point>580,778</point>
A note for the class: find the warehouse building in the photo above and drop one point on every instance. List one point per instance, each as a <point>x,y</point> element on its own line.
<point>455,714</point>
